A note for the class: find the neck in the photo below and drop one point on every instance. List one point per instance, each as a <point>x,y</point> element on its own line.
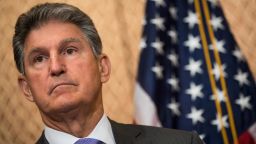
<point>78,122</point>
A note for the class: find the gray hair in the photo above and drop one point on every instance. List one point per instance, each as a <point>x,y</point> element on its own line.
<point>43,13</point>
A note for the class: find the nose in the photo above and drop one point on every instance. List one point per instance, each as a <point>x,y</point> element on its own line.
<point>57,66</point>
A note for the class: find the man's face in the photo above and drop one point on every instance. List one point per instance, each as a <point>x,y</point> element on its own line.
<point>61,71</point>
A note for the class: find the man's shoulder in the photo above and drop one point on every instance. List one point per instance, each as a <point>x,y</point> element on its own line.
<point>151,130</point>
<point>161,135</point>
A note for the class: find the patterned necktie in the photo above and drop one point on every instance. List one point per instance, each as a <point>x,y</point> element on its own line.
<point>88,141</point>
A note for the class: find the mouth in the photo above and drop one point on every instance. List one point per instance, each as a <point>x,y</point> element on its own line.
<point>53,87</point>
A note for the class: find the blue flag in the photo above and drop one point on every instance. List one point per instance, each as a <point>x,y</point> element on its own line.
<point>192,74</point>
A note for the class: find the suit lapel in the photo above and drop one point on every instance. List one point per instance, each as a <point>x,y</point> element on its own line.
<point>127,134</point>
<point>122,135</point>
<point>42,139</point>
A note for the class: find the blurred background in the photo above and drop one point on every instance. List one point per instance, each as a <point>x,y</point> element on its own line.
<point>119,23</point>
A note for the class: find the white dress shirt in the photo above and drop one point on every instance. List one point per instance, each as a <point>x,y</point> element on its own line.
<point>102,131</point>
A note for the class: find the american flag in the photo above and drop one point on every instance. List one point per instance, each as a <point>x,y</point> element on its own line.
<point>192,74</point>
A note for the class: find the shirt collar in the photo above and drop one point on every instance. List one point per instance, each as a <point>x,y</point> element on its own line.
<point>102,131</point>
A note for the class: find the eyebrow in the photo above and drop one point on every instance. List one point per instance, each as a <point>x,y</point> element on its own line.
<point>35,50</point>
<point>68,40</point>
<point>61,44</point>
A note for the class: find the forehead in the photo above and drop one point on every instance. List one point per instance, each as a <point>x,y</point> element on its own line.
<point>51,34</point>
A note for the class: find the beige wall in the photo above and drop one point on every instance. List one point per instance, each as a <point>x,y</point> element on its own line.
<point>241,15</point>
<point>119,25</point>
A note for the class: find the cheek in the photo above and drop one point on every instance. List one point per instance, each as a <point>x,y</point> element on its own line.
<point>87,68</point>
<point>88,74</point>
<point>38,86</point>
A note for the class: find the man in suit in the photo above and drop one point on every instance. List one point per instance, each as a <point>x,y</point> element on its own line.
<point>58,53</point>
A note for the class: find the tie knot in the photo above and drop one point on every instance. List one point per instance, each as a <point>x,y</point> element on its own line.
<point>88,141</point>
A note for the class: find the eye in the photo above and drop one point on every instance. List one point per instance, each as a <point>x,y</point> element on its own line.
<point>39,59</point>
<point>69,51</point>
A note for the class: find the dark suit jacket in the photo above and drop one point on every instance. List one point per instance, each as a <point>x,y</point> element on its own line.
<point>135,134</point>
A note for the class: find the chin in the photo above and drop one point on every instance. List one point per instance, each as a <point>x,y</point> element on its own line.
<point>60,106</point>
<point>66,106</point>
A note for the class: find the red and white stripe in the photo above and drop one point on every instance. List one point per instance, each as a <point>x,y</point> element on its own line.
<point>145,110</point>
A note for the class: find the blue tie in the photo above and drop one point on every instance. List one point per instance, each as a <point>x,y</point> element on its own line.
<point>88,141</point>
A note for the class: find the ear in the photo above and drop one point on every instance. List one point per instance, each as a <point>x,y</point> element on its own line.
<point>25,87</point>
<point>105,68</point>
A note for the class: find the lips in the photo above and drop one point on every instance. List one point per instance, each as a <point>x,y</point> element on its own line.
<point>54,86</point>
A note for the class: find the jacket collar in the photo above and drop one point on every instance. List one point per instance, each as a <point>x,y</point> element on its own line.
<point>128,134</point>
<point>123,134</point>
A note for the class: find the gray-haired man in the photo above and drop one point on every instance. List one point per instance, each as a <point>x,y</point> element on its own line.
<point>58,53</point>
